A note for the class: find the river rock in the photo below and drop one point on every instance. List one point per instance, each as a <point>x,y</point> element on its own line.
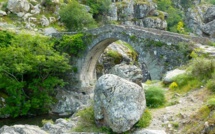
<point>70,102</point>
<point>128,72</point>
<point>21,129</point>
<point>210,14</point>
<point>172,74</point>
<point>17,6</point>
<point>59,127</point>
<point>118,103</point>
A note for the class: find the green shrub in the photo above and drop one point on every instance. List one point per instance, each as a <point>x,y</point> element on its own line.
<point>5,38</point>
<point>211,103</point>
<point>202,68</point>
<point>75,16</point>
<point>145,120</point>
<point>211,85</point>
<point>72,44</point>
<point>154,97</point>
<point>86,123</point>
<point>186,82</point>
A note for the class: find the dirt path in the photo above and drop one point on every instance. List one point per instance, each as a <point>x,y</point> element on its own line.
<point>172,118</point>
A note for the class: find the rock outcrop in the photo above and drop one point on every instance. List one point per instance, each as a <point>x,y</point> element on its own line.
<point>210,14</point>
<point>118,103</point>
<point>137,13</point>
<point>22,129</point>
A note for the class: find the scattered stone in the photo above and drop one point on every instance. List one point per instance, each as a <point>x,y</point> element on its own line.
<point>171,74</point>
<point>21,129</point>
<point>118,103</point>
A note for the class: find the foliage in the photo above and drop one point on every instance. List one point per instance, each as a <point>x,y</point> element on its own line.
<point>173,86</point>
<point>86,122</point>
<point>174,15</point>
<point>186,82</point>
<point>29,71</point>
<point>75,16</point>
<point>154,97</point>
<point>202,68</point>
<point>211,103</point>
<point>71,44</point>
<point>180,27</point>
<point>211,85</point>
<point>98,7</point>
<point>5,38</point>
<point>145,120</point>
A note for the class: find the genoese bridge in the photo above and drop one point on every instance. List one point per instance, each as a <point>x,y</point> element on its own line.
<point>98,39</point>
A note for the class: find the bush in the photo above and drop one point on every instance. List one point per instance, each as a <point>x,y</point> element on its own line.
<point>145,120</point>
<point>173,86</point>
<point>154,97</point>
<point>75,16</point>
<point>211,103</point>
<point>187,82</point>
<point>211,85</point>
<point>202,68</point>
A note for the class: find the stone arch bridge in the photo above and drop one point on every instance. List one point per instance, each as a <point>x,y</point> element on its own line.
<point>98,39</point>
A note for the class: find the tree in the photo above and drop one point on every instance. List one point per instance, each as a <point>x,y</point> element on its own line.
<point>29,71</point>
<point>76,17</point>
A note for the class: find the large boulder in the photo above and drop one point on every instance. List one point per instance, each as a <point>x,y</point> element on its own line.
<point>149,131</point>
<point>210,14</point>
<point>17,6</point>
<point>118,103</point>
<point>21,129</point>
<point>128,72</point>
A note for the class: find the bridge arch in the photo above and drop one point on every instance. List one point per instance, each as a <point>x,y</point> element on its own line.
<point>98,39</point>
